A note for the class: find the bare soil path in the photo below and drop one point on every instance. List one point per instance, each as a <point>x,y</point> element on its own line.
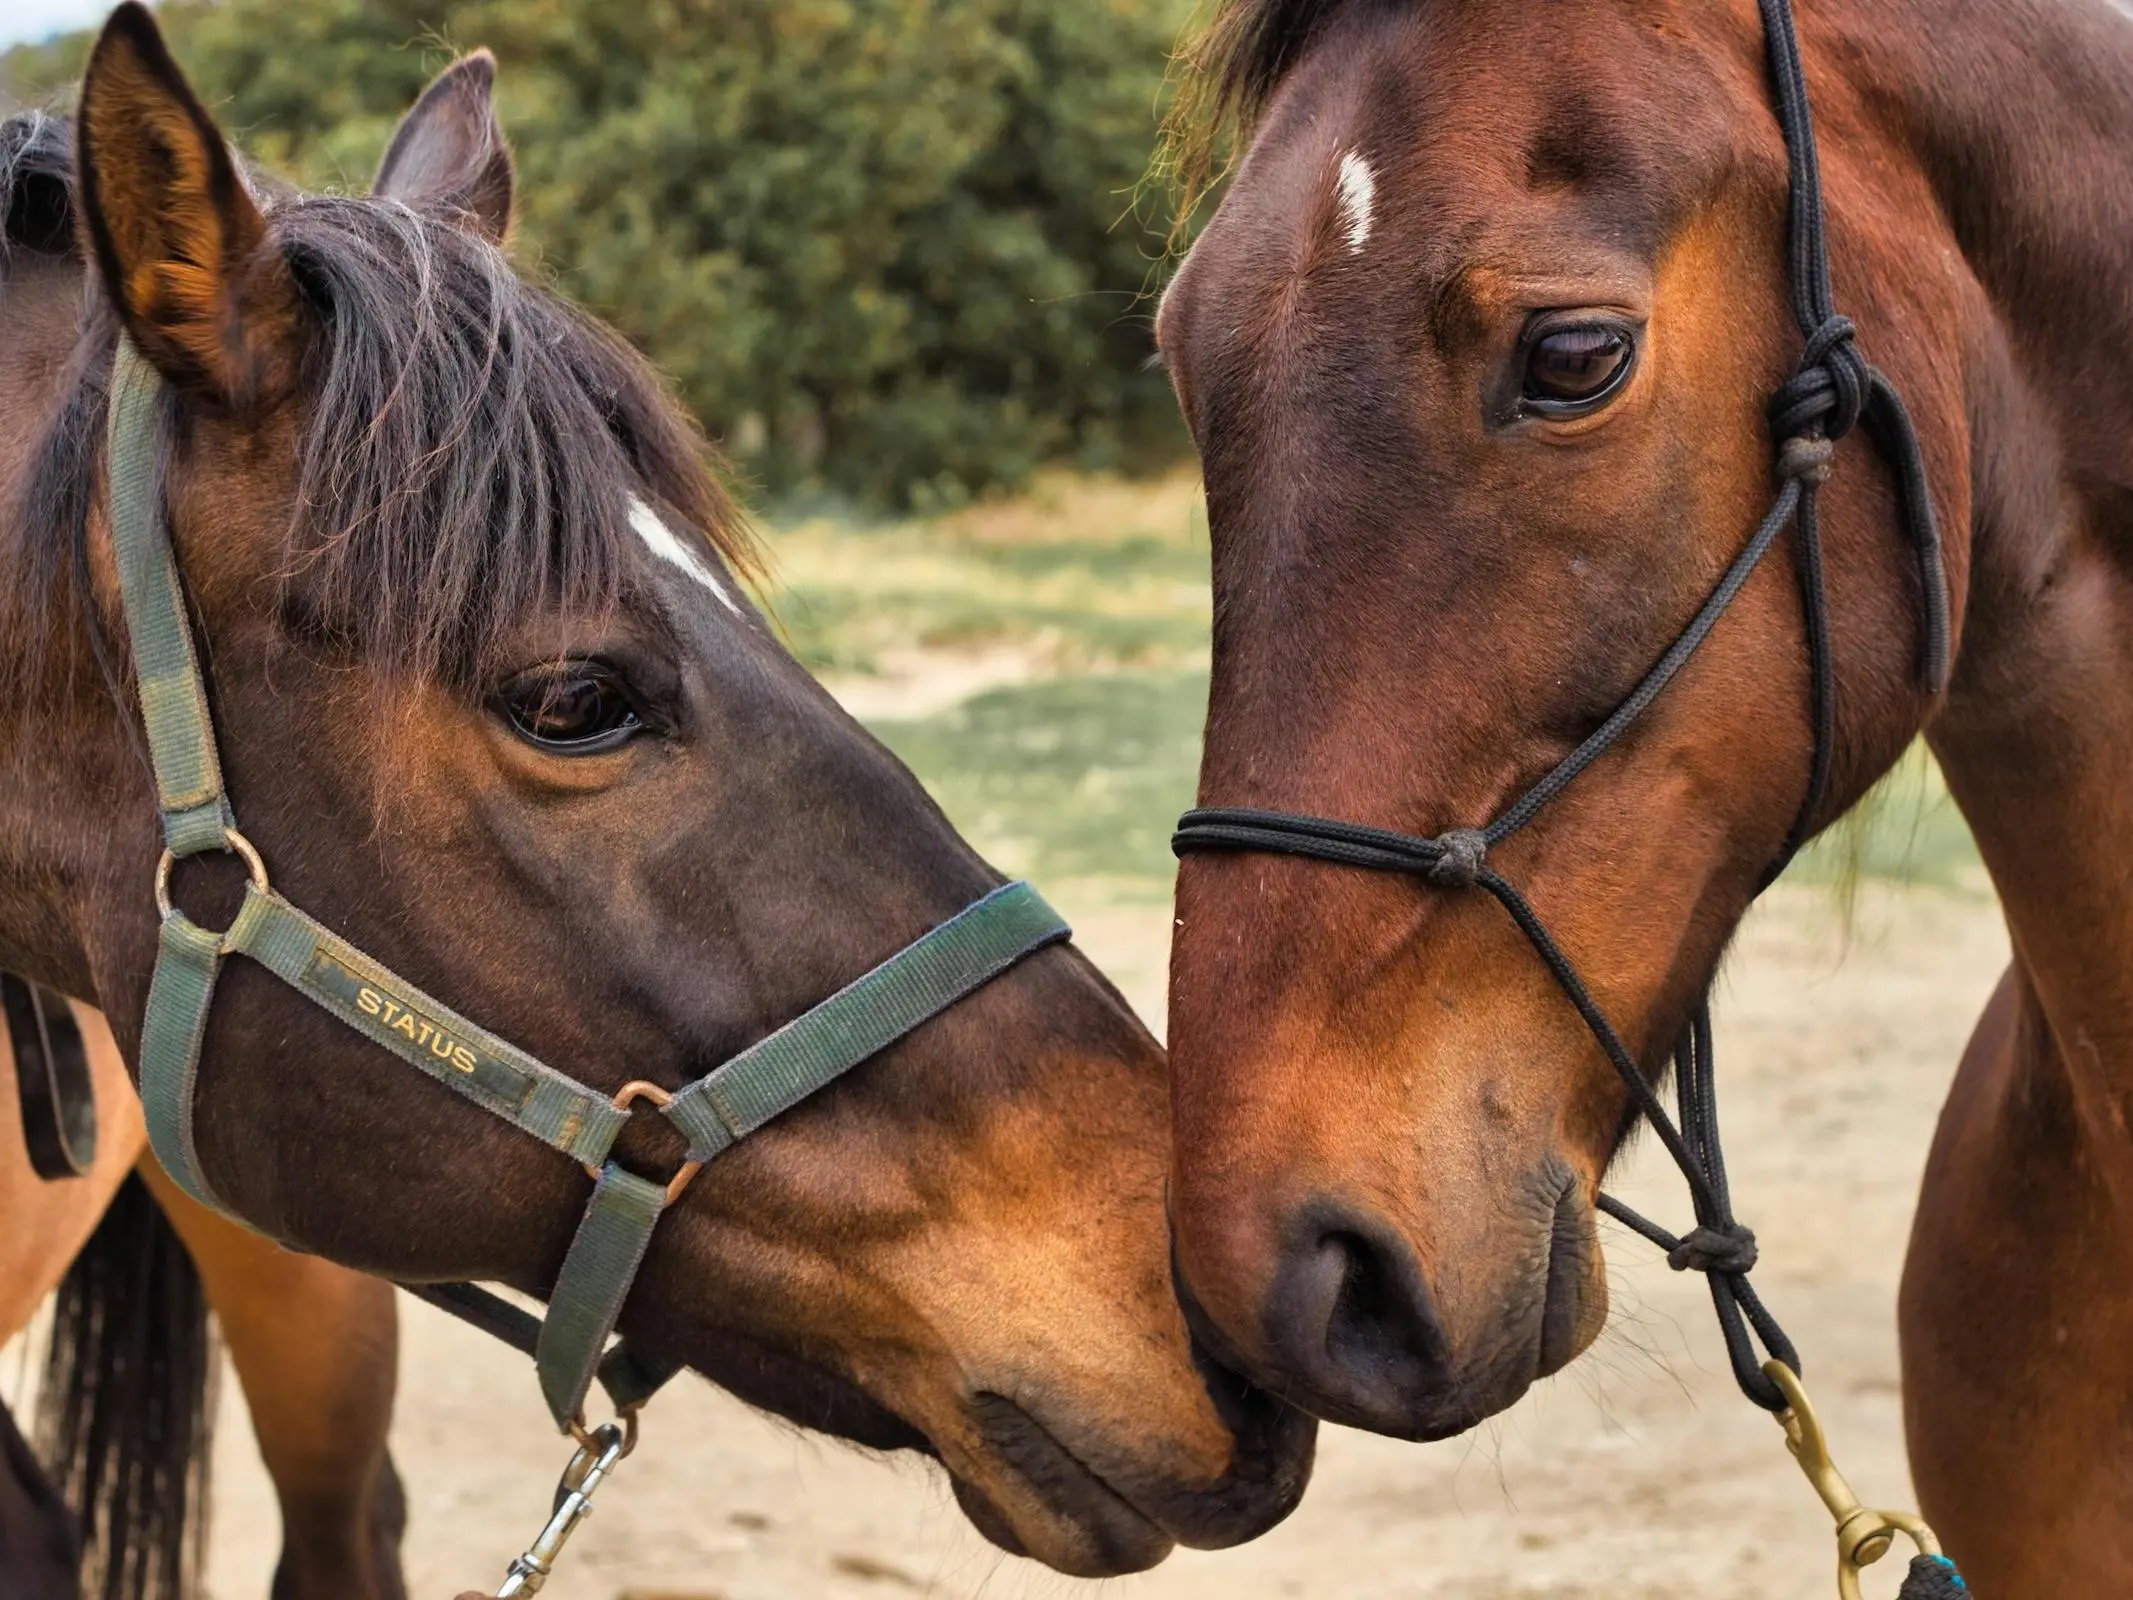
<point>1639,1473</point>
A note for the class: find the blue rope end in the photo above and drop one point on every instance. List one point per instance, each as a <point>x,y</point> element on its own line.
<point>1933,1578</point>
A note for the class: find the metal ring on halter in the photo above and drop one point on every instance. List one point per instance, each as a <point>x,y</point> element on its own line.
<point>589,1438</point>
<point>625,1097</point>
<point>232,839</point>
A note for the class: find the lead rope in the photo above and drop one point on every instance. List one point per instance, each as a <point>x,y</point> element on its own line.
<point>1830,392</point>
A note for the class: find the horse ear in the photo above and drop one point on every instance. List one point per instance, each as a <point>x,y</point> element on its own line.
<point>449,150</point>
<point>178,242</point>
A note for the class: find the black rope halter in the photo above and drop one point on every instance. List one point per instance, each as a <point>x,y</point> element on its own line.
<point>1833,390</point>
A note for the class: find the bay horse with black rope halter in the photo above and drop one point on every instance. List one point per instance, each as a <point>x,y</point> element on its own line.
<point>1520,338</point>
<point>393,757</point>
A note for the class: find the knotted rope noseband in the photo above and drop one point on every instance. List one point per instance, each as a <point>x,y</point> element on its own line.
<point>1831,392</point>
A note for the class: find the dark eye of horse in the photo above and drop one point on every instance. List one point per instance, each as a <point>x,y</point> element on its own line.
<point>577,709</point>
<point>1571,370</point>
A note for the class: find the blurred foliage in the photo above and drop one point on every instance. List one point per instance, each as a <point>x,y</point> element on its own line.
<point>885,247</point>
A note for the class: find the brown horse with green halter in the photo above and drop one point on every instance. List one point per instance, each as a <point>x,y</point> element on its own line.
<point>1511,352</point>
<point>333,540</point>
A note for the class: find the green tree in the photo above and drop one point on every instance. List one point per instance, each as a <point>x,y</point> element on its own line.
<point>885,247</point>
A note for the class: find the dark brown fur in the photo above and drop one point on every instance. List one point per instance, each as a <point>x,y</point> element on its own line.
<point>397,478</point>
<point>1389,1124</point>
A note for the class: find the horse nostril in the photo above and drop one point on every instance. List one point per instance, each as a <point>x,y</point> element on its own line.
<point>1369,1300</point>
<point>1351,1313</point>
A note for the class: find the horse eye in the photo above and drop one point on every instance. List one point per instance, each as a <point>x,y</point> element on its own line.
<point>577,709</point>
<point>1573,369</point>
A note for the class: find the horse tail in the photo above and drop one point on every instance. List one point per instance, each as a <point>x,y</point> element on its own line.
<point>125,1413</point>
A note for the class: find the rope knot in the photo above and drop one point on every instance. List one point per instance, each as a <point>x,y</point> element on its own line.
<point>1806,456</point>
<point>1729,1250</point>
<point>1464,852</point>
<point>1829,390</point>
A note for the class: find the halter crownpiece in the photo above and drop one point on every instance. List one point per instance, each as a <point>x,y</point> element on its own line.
<point>1832,390</point>
<point>711,1114</point>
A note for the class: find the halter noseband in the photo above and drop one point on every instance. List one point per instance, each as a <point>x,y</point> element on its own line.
<point>711,1114</point>
<point>1832,390</point>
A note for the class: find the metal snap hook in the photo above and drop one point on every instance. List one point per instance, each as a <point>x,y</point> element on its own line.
<point>1864,1535</point>
<point>597,1453</point>
<point>232,840</point>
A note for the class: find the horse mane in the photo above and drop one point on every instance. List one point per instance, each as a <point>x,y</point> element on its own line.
<point>464,439</point>
<point>1221,80</point>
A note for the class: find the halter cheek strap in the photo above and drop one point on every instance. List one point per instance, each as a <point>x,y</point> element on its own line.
<point>711,1114</point>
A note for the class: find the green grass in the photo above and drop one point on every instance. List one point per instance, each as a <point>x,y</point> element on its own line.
<point>1094,594</point>
<point>1088,576</point>
<point>1069,778</point>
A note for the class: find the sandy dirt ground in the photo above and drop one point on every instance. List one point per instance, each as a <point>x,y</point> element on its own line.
<point>1638,1473</point>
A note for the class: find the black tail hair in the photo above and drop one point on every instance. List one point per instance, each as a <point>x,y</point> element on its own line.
<point>125,1411</point>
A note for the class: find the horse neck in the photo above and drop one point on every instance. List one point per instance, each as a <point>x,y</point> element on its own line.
<point>2022,116</point>
<point>67,765</point>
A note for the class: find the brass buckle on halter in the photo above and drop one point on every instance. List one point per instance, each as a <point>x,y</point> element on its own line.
<point>597,1453</point>
<point>1863,1535</point>
<point>628,1095</point>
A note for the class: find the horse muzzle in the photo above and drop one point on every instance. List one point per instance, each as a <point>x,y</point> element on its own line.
<point>1331,1306</point>
<point>1072,1493</point>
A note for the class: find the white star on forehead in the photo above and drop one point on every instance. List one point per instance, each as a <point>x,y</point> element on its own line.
<point>659,539</point>
<point>1359,189</point>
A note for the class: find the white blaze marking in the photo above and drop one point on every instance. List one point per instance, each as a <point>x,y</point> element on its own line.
<point>659,539</point>
<point>1359,187</point>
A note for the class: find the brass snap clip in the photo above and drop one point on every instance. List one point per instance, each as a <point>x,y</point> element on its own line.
<point>598,1451</point>
<point>1864,1535</point>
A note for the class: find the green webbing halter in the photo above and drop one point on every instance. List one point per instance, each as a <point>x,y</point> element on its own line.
<point>771,1076</point>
